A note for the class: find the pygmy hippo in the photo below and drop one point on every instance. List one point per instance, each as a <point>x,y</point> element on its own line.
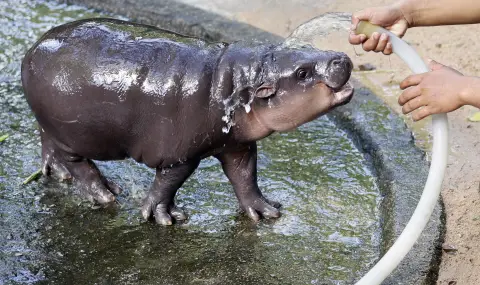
<point>105,89</point>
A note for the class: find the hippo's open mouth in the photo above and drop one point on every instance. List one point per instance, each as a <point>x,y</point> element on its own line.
<point>344,94</point>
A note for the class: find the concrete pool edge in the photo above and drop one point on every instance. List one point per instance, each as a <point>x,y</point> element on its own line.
<point>376,130</point>
<point>402,170</point>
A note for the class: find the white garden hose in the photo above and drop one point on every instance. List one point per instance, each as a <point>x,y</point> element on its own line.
<point>438,165</point>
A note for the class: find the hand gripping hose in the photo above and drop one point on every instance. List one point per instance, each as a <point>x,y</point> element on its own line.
<point>432,189</point>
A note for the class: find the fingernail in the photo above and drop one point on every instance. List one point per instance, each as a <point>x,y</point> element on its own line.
<point>384,37</point>
<point>375,36</point>
<point>363,38</point>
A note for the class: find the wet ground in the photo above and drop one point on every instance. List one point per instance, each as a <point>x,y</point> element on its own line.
<point>328,234</point>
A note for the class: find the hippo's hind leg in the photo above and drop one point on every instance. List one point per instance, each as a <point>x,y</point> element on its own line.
<point>51,162</point>
<point>159,202</point>
<point>240,166</point>
<point>64,166</point>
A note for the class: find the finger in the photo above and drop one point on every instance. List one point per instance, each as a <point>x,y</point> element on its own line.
<point>412,80</point>
<point>372,42</point>
<point>433,65</point>
<point>382,43</point>
<point>413,104</point>
<point>388,49</point>
<point>355,21</point>
<point>355,39</point>
<point>365,14</point>
<point>408,95</point>
<point>422,113</point>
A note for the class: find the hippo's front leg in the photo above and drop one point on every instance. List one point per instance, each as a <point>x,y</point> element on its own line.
<point>159,202</point>
<point>240,166</point>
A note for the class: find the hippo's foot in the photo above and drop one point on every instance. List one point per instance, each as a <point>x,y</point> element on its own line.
<point>164,214</point>
<point>240,166</point>
<point>52,167</point>
<point>260,207</point>
<point>52,162</point>
<point>159,202</point>
<point>92,184</point>
<point>66,166</point>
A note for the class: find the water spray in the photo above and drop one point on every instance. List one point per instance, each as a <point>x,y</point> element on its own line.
<point>432,189</point>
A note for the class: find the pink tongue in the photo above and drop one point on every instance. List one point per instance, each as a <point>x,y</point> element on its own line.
<point>344,92</point>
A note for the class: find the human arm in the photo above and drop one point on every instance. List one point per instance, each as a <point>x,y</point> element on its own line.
<point>441,12</point>
<point>400,16</point>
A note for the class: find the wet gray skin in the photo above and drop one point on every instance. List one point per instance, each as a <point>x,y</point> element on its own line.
<point>106,89</point>
<point>328,233</point>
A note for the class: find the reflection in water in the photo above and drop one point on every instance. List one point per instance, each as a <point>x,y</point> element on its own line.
<point>328,233</point>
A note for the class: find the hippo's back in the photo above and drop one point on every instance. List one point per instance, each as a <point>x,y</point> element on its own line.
<point>111,83</point>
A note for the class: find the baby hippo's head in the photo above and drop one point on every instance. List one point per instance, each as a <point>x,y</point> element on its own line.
<point>300,84</point>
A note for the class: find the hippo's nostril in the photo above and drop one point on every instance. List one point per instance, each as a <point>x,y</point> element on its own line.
<point>341,63</point>
<point>336,62</point>
<point>338,71</point>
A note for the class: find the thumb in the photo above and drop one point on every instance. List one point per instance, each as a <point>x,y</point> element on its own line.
<point>433,65</point>
<point>364,15</point>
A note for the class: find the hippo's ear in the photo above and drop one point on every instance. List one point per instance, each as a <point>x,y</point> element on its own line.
<point>265,91</point>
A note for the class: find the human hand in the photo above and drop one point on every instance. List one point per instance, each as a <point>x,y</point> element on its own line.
<point>389,17</point>
<point>441,90</point>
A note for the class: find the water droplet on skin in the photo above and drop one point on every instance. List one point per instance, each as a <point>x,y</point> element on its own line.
<point>51,45</point>
<point>247,108</point>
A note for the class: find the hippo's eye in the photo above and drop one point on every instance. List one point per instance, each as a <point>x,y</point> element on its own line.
<point>302,74</point>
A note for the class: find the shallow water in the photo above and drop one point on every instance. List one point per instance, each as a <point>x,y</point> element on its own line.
<point>328,234</point>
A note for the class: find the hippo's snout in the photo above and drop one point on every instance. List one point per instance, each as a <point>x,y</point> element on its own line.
<point>338,71</point>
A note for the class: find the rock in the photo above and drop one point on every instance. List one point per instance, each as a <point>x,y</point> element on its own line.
<point>449,248</point>
<point>366,67</point>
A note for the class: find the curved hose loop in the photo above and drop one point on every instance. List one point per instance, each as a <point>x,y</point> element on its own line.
<point>432,189</point>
